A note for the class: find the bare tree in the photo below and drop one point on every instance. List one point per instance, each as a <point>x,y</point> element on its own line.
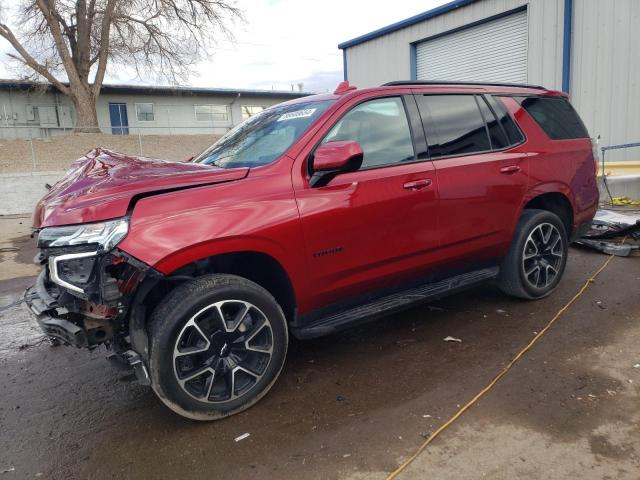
<point>78,39</point>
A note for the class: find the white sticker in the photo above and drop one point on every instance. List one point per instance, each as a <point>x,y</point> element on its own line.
<point>307,112</point>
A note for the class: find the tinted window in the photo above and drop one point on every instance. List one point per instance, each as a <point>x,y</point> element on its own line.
<point>381,128</point>
<point>497,135</point>
<point>455,125</point>
<point>508,124</point>
<point>556,116</point>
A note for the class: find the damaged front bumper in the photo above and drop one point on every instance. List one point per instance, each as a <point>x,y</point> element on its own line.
<point>88,304</point>
<point>45,309</point>
<point>83,297</point>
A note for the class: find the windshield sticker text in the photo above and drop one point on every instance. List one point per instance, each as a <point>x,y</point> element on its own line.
<point>307,112</point>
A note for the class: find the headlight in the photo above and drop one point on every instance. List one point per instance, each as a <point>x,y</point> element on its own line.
<point>105,234</point>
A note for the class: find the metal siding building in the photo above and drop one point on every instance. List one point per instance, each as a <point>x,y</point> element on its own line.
<point>584,47</point>
<point>28,110</point>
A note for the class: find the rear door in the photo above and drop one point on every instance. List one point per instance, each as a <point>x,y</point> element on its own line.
<point>482,179</point>
<point>373,228</point>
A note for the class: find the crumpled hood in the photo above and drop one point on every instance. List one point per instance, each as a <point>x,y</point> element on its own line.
<point>102,184</point>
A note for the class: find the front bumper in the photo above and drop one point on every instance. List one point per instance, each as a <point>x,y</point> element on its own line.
<point>44,307</point>
<point>91,313</point>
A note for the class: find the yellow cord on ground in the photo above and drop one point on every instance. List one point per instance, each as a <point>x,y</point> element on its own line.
<point>457,415</point>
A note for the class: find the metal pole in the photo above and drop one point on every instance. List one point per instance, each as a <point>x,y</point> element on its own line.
<point>140,141</point>
<point>33,153</point>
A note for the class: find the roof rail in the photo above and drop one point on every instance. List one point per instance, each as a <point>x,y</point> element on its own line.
<point>432,82</point>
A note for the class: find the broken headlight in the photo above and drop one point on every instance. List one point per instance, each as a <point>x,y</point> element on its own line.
<point>72,268</point>
<point>105,234</point>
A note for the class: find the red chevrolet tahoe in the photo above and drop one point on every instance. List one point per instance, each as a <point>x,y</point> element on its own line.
<point>312,216</point>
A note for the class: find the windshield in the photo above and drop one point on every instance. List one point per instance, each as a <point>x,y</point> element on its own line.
<point>264,137</point>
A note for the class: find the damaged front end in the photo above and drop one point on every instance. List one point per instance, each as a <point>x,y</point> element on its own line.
<point>84,293</point>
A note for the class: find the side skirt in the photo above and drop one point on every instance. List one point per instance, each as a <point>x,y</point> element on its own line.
<point>391,303</point>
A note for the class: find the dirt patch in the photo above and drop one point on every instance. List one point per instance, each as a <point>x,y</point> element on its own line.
<point>17,248</point>
<point>57,153</point>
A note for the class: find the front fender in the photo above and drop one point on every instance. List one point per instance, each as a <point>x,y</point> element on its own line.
<point>171,230</point>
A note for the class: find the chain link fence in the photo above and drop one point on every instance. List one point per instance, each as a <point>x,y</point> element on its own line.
<point>28,149</point>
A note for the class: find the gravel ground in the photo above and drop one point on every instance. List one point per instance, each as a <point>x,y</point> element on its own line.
<point>351,406</point>
<point>56,153</point>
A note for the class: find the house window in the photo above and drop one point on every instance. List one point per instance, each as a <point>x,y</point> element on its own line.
<point>211,113</point>
<point>145,112</point>
<point>251,110</point>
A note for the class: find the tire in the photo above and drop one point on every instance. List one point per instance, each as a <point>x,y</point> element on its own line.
<point>529,252</point>
<point>229,329</point>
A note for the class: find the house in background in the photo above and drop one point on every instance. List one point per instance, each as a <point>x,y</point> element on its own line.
<point>31,110</point>
<point>586,48</point>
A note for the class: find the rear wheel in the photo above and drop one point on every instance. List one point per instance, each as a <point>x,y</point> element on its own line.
<point>218,344</point>
<point>537,256</point>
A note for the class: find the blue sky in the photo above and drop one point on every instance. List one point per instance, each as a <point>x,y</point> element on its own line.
<point>284,42</point>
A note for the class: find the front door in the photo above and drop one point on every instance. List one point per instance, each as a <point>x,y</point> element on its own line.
<point>119,119</point>
<point>375,227</point>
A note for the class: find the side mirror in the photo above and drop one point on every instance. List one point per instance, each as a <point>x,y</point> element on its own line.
<point>333,158</point>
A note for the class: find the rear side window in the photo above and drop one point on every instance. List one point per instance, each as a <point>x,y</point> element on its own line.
<point>497,135</point>
<point>382,129</point>
<point>512,131</point>
<point>455,125</point>
<point>556,117</point>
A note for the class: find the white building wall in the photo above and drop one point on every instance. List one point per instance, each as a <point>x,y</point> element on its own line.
<point>174,114</point>
<point>605,63</point>
<point>14,122</point>
<point>605,71</point>
<point>387,58</point>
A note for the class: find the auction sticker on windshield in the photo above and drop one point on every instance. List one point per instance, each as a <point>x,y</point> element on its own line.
<point>307,112</point>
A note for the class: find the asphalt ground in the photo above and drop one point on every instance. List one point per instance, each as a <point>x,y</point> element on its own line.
<point>352,405</point>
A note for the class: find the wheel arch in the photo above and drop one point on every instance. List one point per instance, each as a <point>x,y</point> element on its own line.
<point>257,266</point>
<point>556,201</point>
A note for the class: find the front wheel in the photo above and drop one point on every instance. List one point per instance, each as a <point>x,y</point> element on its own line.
<point>537,256</point>
<point>218,344</point>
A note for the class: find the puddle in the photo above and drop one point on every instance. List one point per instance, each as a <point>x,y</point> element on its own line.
<point>18,330</point>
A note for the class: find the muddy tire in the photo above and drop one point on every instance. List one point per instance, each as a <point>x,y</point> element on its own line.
<point>537,257</point>
<point>217,345</point>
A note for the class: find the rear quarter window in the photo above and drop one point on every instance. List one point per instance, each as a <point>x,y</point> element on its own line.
<point>556,117</point>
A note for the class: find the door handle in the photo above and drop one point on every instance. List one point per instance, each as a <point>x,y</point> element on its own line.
<point>510,169</point>
<point>417,184</point>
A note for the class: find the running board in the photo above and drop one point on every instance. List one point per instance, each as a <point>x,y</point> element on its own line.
<point>392,303</point>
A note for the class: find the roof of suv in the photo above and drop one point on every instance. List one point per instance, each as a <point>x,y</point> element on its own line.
<point>438,86</point>
<point>472,84</point>
<point>489,87</point>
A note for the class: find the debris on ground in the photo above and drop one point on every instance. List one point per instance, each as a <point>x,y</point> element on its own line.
<point>452,339</point>
<point>8,470</point>
<point>37,343</point>
<point>614,232</point>
<point>637,365</point>
<point>624,201</point>
<point>340,398</point>
<point>242,437</point>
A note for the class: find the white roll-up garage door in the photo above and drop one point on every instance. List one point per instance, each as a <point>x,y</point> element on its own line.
<point>495,51</point>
